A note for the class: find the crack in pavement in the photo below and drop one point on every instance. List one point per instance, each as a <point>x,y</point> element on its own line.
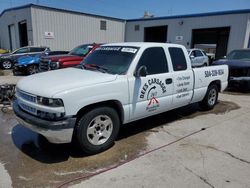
<point>200,177</point>
<point>225,152</point>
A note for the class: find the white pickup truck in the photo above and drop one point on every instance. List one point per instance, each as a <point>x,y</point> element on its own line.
<point>117,84</point>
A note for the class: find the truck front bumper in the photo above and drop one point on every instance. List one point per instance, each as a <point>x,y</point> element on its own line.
<point>55,131</point>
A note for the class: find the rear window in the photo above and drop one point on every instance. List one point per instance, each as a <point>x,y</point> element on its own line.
<point>178,59</point>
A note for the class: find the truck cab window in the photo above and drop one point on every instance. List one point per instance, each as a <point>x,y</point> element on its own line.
<point>178,59</point>
<point>155,60</point>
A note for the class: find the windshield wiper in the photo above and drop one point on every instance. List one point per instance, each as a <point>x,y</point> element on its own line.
<point>96,67</point>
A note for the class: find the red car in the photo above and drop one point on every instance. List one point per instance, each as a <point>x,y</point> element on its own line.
<point>73,58</point>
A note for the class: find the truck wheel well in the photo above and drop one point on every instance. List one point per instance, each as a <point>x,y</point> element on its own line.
<point>111,103</point>
<point>217,83</point>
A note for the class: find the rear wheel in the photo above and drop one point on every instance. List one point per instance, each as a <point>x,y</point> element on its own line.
<point>97,130</point>
<point>210,98</point>
<point>32,69</point>
<point>7,64</point>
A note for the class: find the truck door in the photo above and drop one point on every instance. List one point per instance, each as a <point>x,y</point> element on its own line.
<point>151,94</point>
<point>183,77</point>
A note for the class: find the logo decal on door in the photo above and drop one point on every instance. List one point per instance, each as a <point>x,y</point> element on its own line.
<point>153,103</point>
<point>149,92</point>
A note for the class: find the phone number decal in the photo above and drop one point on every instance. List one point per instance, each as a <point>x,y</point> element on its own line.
<point>214,73</point>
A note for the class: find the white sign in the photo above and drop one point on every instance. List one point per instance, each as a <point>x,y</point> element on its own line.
<point>49,35</point>
<point>179,38</point>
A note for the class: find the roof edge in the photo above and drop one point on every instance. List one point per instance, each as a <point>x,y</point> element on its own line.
<point>240,11</point>
<point>31,5</point>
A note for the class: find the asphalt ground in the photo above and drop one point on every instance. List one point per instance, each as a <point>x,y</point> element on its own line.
<point>186,147</point>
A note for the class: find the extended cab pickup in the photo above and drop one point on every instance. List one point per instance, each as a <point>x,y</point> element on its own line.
<point>117,84</point>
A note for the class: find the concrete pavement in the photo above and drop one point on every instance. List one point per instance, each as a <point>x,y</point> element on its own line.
<point>218,156</point>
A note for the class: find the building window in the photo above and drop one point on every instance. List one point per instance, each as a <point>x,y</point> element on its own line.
<point>137,27</point>
<point>103,25</point>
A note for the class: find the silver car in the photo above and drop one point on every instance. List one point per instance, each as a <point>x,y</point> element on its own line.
<point>198,58</point>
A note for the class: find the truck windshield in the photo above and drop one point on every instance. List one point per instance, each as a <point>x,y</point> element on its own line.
<point>112,59</point>
<point>82,50</point>
<point>239,55</point>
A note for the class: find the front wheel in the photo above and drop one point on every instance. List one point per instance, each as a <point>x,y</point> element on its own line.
<point>32,69</point>
<point>97,130</point>
<point>7,64</point>
<point>210,98</point>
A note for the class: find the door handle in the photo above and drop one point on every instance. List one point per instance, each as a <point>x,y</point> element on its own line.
<point>168,81</point>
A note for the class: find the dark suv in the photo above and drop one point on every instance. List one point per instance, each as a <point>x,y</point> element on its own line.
<point>8,60</point>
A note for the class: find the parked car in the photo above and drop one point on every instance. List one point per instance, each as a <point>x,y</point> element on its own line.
<point>8,60</point>
<point>198,57</point>
<point>73,58</point>
<point>239,68</point>
<point>30,64</point>
<point>117,84</point>
<point>3,51</point>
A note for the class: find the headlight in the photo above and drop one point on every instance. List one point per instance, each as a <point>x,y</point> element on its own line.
<point>54,65</point>
<point>50,102</point>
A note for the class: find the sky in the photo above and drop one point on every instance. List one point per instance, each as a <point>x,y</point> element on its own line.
<point>131,9</point>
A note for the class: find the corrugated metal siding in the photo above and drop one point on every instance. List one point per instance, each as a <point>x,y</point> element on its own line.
<point>236,22</point>
<point>71,29</point>
<point>13,17</point>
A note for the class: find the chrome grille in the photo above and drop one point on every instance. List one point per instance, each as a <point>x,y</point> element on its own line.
<point>28,108</point>
<point>44,65</point>
<point>26,96</point>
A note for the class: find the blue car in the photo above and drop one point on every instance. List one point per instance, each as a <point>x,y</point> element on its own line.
<point>29,64</point>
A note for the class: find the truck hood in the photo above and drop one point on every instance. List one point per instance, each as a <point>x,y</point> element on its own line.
<point>63,58</point>
<point>233,63</point>
<point>48,84</point>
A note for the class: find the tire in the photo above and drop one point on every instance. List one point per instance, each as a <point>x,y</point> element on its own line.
<point>210,98</point>
<point>205,64</point>
<point>97,130</point>
<point>7,64</point>
<point>32,69</point>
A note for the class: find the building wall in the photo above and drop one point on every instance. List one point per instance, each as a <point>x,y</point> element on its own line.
<point>13,17</point>
<point>71,29</point>
<point>236,22</point>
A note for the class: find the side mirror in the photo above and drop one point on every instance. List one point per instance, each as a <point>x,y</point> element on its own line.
<point>192,57</point>
<point>141,72</point>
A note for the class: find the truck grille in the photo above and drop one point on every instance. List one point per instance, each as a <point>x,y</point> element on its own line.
<point>26,96</point>
<point>236,72</point>
<point>28,108</point>
<point>44,65</point>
